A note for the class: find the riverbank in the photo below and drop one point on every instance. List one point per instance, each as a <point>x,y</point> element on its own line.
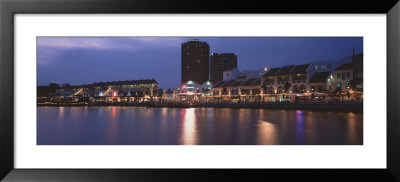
<point>353,107</point>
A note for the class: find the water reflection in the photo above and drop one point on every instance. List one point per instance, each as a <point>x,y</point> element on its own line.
<point>61,113</point>
<point>299,127</point>
<point>352,129</point>
<point>195,126</point>
<point>266,133</point>
<point>113,128</point>
<point>189,133</point>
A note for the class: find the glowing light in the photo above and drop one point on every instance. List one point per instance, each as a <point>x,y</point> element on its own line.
<point>265,69</point>
<point>115,94</point>
<point>189,133</point>
<point>300,127</point>
<point>266,133</point>
<point>190,82</point>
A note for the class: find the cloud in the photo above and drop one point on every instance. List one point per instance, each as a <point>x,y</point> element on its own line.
<point>161,42</point>
<point>83,42</point>
<point>51,48</point>
<point>131,43</point>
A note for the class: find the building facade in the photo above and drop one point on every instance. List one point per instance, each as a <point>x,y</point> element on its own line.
<point>220,63</point>
<point>129,91</point>
<point>313,81</point>
<point>357,61</point>
<point>195,61</point>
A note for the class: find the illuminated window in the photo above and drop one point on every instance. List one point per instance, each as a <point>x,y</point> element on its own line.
<point>338,85</point>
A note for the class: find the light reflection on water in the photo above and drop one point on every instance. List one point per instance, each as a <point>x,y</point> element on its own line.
<point>195,126</point>
<point>266,133</point>
<point>189,132</point>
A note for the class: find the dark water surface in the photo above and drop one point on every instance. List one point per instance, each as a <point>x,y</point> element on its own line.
<point>116,125</point>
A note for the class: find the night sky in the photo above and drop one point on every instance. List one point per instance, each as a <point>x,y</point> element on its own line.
<point>92,59</point>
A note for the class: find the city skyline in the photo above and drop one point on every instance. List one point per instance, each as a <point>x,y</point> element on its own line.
<point>83,60</point>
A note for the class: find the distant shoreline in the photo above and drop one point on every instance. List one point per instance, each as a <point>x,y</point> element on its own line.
<point>353,107</point>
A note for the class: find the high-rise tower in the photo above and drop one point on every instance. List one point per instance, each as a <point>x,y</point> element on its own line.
<point>195,61</point>
<point>220,63</point>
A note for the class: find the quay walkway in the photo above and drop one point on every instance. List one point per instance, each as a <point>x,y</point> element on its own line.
<point>346,107</point>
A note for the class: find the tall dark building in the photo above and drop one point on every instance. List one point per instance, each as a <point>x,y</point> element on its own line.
<point>195,61</point>
<point>220,63</point>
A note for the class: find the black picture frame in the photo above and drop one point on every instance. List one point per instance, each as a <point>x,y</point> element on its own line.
<point>8,8</point>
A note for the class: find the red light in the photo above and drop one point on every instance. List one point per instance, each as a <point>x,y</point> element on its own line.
<point>115,94</point>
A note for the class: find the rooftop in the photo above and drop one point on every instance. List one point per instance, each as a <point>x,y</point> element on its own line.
<point>299,69</point>
<point>219,84</point>
<point>272,72</point>
<point>249,82</point>
<point>319,77</point>
<point>228,83</point>
<point>347,66</point>
<point>285,70</point>
<point>236,83</point>
<point>257,82</point>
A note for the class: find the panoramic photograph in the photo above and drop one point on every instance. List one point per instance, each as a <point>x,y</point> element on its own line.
<point>199,90</point>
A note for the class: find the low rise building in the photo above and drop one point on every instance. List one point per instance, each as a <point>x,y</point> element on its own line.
<point>193,92</point>
<point>340,81</point>
<point>116,91</point>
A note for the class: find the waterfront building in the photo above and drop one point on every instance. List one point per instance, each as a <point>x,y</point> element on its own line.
<point>317,87</point>
<point>250,90</point>
<point>168,95</point>
<point>128,91</point>
<point>340,81</point>
<point>357,82</point>
<point>318,82</point>
<point>195,61</point>
<point>244,88</point>
<point>269,81</point>
<point>340,78</point>
<point>234,89</point>
<point>277,83</point>
<point>292,82</point>
<point>193,92</point>
<point>299,79</point>
<point>220,63</point>
<point>326,66</point>
<point>283,79</point>
<point>230,74</point>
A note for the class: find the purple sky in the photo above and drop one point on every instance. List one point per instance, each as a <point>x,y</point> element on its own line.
<point>79,60</point>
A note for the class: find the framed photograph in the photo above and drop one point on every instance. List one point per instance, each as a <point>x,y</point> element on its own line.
<point>206,91</point>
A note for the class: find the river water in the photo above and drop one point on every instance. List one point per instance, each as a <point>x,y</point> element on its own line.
<point>116,125</point>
